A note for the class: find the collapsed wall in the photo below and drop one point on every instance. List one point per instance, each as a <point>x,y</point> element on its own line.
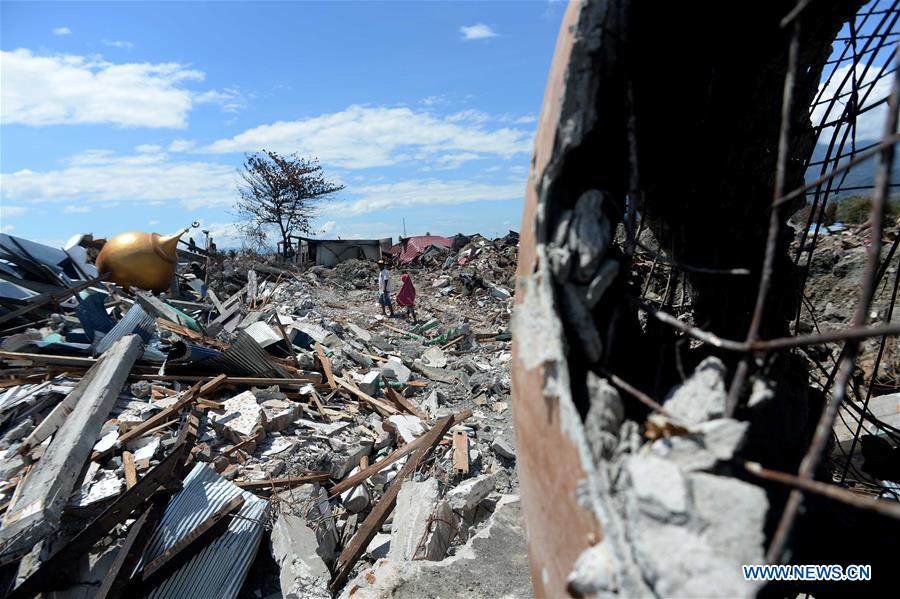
<point>668,116</point>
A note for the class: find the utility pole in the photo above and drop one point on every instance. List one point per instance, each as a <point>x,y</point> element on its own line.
<point>206,270</point>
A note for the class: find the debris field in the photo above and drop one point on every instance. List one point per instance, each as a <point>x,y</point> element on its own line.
<point>269,434</point>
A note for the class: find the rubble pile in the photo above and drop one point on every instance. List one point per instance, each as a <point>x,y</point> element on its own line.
<point>154,443</point>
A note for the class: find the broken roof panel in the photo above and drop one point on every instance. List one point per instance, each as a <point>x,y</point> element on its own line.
<point>414,246</point>
<point>220,568</point>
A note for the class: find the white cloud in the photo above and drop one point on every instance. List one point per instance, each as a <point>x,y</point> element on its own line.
<point>479,31</point>
<point>7,229</point>
<point>101,176</point>
<point>182,145</point>
<point>121,44</point>
<point>10,211</point>
<point>71,209</point>
<point>148,149</point>
<point>367,137</point>
<point>152,221</point>
<point>327,227</point>
<point>870,124</point>
<point>62,31</point>
<point>431,192</point>
<point>66,89</point>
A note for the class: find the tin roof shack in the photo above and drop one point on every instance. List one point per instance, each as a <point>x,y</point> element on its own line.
<point>328,252</point>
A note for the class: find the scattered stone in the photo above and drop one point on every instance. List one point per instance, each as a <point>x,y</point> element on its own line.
<point>504,448</point>
<point>142,389</point>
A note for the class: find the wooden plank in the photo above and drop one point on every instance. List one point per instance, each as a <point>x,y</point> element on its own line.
<point>460,452</point>
<point>130,472</point>
<point>326,365</point>
<point>450,344</point>
<point>161,419</point>
<point>299,381</point>
<point>287,342</point>
<point>191,334</point>
<point>373,522</point>
<point>56,569</point>
<point>381,407</point>
<point>43,495</point>
<point>48,298</point>
<point>48,359</point>
<point>401,401</point>
<point>364,473</point>
<point>288,481</point>
<point>232,506</point>
<point>215,300</point>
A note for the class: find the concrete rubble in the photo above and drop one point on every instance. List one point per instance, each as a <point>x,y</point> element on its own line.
<point>270,382</point>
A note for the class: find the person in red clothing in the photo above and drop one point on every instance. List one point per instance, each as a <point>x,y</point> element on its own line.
<point>407,296</point>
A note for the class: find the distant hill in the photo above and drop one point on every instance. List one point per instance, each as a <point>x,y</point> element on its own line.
<point>860,175</point>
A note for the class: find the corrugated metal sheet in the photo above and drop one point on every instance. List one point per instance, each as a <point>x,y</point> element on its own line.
<point>220,568</point>
<point>414,246</point>
<point>263,334</point>
<point>186,353</point>
<point>246,357</point>
<point>134,321</point>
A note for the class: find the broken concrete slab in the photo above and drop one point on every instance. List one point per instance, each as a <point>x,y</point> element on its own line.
<point>40,498</point>
<point>493,563</point>
<point>435,356</point>
<point>294,547</point>
<point>241,418</point>
<point>702,396</point>
<point>408,427</point>
<point>658,488</point>
<point>423,526</point>
<point>467,495</point>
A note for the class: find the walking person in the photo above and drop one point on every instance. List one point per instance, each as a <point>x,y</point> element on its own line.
<point>407,297</point>
<point>384,289</point>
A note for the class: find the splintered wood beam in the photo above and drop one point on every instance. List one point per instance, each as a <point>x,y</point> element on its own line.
<point>364,473</point>
<point>372,524</point>
<point>326,365</point>
<point>130,472</point>
<point>49,298</point>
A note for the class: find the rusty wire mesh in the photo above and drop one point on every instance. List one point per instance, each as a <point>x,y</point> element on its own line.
<point>853,355</point>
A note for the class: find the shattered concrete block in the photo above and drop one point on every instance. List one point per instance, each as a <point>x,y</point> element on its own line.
<point>294,547</point>
<point>422,529</point>
<point>468,494</point>
<point>702,396</point>
<point>357,498</point>
<point>280,413</point>
<point>659,488</point>
<point>242,418</point>
<point>430,404</point>
<point>504,448</point>
<point>714,441</point>
<point>395,369</point>
<point>369,382</point>
<point>408,427</point>
<point>733,514</point>
<point>362,334</point>
<point>435,356</point>
<point>345,458</point>
<point>594,572</point>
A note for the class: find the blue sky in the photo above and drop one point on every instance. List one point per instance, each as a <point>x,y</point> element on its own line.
<point>120,116</point>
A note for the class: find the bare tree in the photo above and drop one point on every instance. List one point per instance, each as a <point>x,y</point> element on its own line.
<point>281,192</point>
